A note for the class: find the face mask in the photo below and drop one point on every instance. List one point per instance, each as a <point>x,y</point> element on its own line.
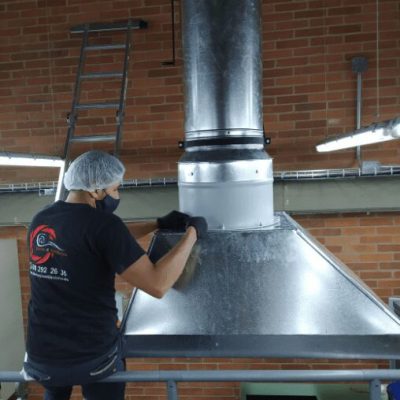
<point>108,204</point>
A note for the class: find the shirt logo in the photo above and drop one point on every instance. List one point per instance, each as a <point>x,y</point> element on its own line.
<point>42,245</point>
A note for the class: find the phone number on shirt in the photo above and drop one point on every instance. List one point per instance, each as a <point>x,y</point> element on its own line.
<point>42,271</point>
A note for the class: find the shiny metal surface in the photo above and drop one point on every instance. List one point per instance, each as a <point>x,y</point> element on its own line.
<point>231,193</point>
<point>224,147</point>
<point>218,133</point>
<point>223,67</point>
<point>224,155</point>
<point>272,292</point>
<point>258,375</point>
<point>229,205</point>
<point>229,171</point>
<point>225,174</point>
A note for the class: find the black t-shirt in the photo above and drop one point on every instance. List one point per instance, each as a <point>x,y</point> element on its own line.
<point>75,252</point>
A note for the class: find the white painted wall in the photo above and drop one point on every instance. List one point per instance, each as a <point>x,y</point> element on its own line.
<point>12,343</point>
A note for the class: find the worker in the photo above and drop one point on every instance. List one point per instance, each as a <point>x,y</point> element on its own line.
<point>393,390</point>
<point>76,248</point>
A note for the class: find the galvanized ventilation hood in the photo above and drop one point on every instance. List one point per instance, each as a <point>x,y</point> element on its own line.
<point>262,293</point>
<point>258,286</point>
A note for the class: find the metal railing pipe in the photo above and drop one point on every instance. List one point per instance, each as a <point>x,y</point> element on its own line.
<point>365,375</point>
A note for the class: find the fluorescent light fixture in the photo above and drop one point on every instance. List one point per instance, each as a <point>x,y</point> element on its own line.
<point>29,160</point>
<point>60,181</point>
<point>375,133</point>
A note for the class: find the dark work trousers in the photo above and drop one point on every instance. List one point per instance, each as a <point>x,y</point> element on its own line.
<point>393,390</point>
<point>90,391</point>
<point>58,380</point>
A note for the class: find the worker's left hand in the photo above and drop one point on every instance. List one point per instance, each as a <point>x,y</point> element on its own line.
<point>174,220</point>
<point>200,224</point>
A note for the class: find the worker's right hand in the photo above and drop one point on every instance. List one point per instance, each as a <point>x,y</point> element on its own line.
<point>174,220</point>
<point>200,224</point>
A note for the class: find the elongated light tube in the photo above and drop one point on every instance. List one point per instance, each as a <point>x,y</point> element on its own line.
<point>60,181</point>
<point>375,133</point>
<point>29,160</point>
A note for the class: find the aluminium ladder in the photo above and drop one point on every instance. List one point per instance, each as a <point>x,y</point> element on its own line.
<point>119,106</point>
<point>86,29</point>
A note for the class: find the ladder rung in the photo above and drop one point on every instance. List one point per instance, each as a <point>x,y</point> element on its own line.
<point>92,106</point>
<point>105,47</point>
<point>118,26</point>
<point>95,75</point>
<point>93,138</point>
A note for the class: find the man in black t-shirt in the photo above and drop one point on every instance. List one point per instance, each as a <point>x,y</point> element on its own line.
<point>76,248</point>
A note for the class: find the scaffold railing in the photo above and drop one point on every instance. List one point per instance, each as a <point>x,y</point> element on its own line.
<point>171,378</point>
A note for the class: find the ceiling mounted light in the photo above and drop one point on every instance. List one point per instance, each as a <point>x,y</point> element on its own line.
<point>375,133</point>
<point>33,160</point>
<point>29,160</point>
<point>60,181</point>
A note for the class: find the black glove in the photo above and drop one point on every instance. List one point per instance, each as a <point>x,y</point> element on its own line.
<point>200,224</point>
<point>174,220</point>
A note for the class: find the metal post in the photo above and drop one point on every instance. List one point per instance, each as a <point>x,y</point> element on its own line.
<point>359,65</point>
<point>21,391</point>
<point>172,390</point>
<point>358,122</point>
<point>359,94</point>
<point>375,390</point>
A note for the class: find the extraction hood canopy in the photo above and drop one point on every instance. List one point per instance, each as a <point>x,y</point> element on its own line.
<point>261,293</point>
<point>258,285</point>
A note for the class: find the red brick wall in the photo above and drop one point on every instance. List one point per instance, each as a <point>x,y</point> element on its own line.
<point>309,93</point>
<point>368,244</point>
<point>309,88</point>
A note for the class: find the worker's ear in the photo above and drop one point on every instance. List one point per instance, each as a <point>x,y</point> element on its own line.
<point>98,194</point>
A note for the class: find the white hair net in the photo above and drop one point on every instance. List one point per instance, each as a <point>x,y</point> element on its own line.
<point>93,170</point>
